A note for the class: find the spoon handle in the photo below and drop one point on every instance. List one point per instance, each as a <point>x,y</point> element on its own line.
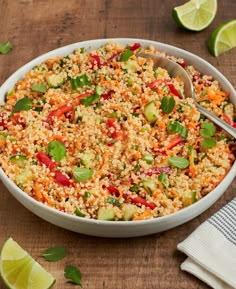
<point>225,126</point>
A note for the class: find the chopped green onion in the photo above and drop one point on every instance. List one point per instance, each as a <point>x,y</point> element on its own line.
<point>113,201</point>
<point>162,177</point>
<point>79,81</point>
<point>79,213</point>
<point>86,195</point>
<point>134,188</point>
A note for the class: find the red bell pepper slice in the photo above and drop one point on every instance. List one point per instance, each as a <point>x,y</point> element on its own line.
<point>141,201</point>
<point>183,64</point>
<point>226,119</point>
<point>174,142</point>
<point>44,159</point>
<point>174,90</point>
<point>61,179</point>
<point>95,60</point>
<point>157,171</point>
<point>135,46</point>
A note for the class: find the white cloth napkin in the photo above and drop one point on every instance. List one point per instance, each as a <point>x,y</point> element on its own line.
<point>211,249</point>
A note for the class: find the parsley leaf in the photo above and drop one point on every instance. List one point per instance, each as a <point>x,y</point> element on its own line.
<point>54,254</point>
<point>74,274</point>
<point>5,47</point>
<point>179,128</point>
<point>179,162</point>
<point>167,104</point>
<point>22,104</point>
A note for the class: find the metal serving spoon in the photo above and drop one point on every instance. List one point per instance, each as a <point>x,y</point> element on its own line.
<point>174,69</point>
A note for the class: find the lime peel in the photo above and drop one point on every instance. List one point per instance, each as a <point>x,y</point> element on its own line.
<point>195,15</point>
<point>223,38</point>
<point>19,270</point>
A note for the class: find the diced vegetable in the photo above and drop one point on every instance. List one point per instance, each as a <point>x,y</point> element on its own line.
<point>149,186</point>
<point>174,90</point>
<point>149,159</point>
<point>150,112</point>
<point>113,201</point>
<point>79,213</point>
<point>79,81</point>
<point>19,160</point>
<point>44,159</point>
<point>141,201</point>
<point>106,214</point>
<point>56,80</point>
<point>189,198</point>
<point>128,211</point>
<point>61,179</point>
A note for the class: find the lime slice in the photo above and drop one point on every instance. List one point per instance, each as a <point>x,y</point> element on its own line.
<point>223,38</point>
<point>195,15</point>
<point>20,271</point>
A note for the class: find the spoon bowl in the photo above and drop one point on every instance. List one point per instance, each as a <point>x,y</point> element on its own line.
<point>174,70</point>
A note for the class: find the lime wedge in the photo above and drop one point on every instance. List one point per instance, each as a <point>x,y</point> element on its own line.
<point>20,271</point>
<point>223,38</point>
<point>195,15</point>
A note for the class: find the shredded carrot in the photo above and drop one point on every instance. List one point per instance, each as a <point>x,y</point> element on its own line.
<point>146,215</point>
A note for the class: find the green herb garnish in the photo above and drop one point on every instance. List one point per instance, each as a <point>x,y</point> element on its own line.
<point>57,150</point>
<point>22,104</point>
<point>179,162</point>
<point>162,177</point>
<point>73,274</point>
<point>149,159</point>
<point>79,81</point>
<point>208,142</point>
<point>54,254</point>
<point>79,213</point>
<point>86,195</point>
<point>178,128</point>
<point>39,87</point>
<point>134,188</point>
<point>167,104</point>
<point>82,174</point>
<point>93,98</point>
<point>113,201</point>
<point>5,47</point>
<point>207,129</point>
<point>126,55</point>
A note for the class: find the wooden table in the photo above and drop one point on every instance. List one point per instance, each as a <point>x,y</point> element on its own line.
<point>35,27</point>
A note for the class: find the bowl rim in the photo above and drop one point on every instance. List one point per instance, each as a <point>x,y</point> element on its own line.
<point>94,43</point>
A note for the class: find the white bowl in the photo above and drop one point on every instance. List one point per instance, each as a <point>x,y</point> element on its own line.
<point>119,229</point>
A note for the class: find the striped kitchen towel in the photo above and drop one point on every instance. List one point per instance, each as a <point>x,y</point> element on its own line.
<point>211,249</point>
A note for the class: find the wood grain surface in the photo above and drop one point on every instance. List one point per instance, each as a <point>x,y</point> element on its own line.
<point>37,26</point>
